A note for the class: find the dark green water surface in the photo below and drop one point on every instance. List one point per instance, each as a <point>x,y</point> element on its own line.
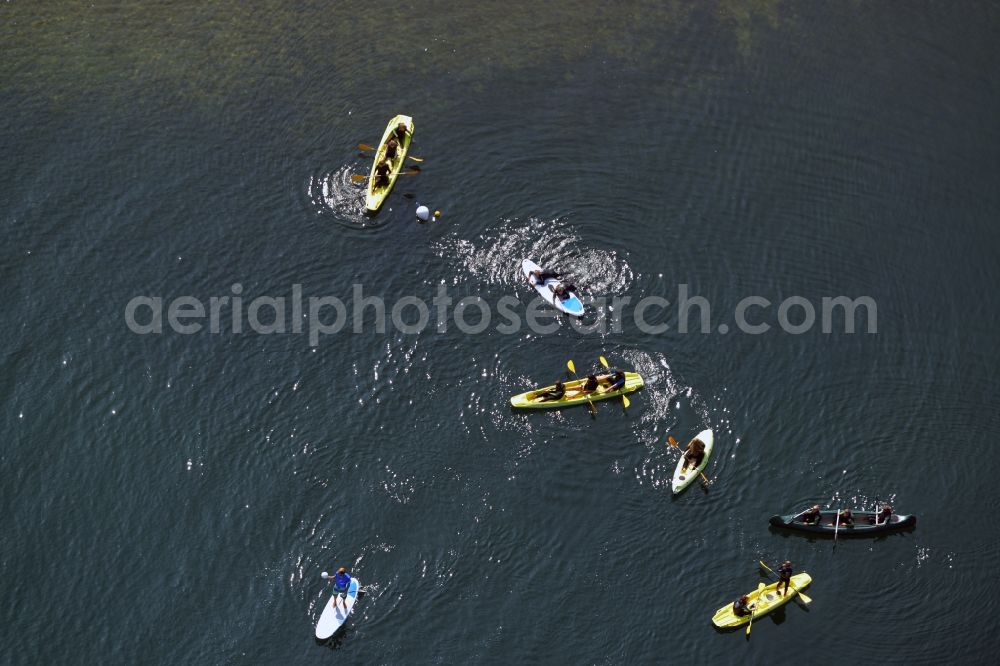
<point>173,498</point>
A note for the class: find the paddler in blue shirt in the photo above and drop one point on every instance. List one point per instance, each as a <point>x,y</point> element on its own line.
<point>615,381</point>
<point>341,583</point>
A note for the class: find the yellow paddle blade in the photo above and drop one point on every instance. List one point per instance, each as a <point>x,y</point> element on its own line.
<point>572,368</point>
<point>672,441</point>
<point>806,600</point>
<point>365,146</point>
<point>625,401</point>
<point>358,178</point>
<point>604,362</point>
<point>414,158</point>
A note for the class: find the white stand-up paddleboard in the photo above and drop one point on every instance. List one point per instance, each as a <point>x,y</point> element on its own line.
<point>332,618</point>
<point>571,306</point>
<point>684,477</point>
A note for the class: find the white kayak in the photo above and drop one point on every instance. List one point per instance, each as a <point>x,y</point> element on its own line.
<point>571,306</point>
<point>684,477</point>
<point>332,617</point>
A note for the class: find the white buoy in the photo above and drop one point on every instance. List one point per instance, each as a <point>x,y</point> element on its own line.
<point>324,575</point>
<point>423,213</point>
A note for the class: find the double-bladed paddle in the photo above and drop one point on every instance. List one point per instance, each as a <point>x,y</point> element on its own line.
<point>673,443</point>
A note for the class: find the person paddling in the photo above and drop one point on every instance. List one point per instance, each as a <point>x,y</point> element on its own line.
<point>400,132</point>
<point>564,291</point>
<point>554,393</point>
<point>694,454</point>
<point>382,174</point>
<point>846,518</point>
<point>812,516</point>
<point>589,386</point>
<point>341,583</point>
<point>541,276</point>
<point>615,381</point>
<point>391,149</point>
<point>741,607</point>
<point>784,576</point>
<point>883,516</point>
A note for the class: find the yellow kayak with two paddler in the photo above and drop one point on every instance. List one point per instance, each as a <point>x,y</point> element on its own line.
<point>761,601</point>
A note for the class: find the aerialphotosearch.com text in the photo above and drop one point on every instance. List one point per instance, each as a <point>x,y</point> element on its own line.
<point>319,316</point>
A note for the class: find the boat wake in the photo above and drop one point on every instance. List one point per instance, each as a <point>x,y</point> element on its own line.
<point>669,408</point>
<point>495,257</point>
<point>334,195</point>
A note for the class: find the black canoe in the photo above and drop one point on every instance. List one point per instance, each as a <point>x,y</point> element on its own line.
<point>862,525</point>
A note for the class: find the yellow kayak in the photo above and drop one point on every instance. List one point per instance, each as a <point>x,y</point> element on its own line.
<point>633,382</point>
<point>761,602</point>
<point>375,197</point>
